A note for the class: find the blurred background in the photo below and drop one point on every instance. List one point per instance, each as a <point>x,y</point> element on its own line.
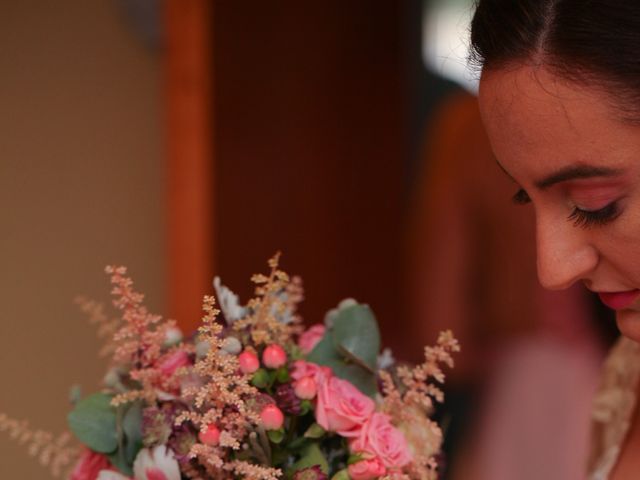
<point>192,138</point>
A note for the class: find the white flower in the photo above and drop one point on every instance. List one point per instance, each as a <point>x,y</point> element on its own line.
<point>386,359</point>
<point>332,314</point>
<point>202,348</point>
<point>283,316</point>
<point>346,303</point>
<point>330,318</point>
<point>156,464</point>
<point>228,302</point>
<point>173,336</point>
<point>110,475</point>
<point>232,345</point>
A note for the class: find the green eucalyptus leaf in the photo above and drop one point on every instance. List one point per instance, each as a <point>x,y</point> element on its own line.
<point>342,350</point>
<point>324,352</point>
<point>297,444</point>
<point>360,378</point>
<point>276,436</point>
<point>282,375</point>
<point>311,456</point>
<point>260,379</point>
<point>132,428</point>
<point>356,336</point>
<point>315,431</point>
<point>75,394</point>
<point>119,461</point>
<point>305,407</point>
<point>93,421</point>
<point>295,353</point>
<point>341,475</point>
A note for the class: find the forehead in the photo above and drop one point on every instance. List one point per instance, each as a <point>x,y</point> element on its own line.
<point>539,121</point>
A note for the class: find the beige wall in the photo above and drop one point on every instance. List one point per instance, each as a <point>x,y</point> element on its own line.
<point>80,186</point>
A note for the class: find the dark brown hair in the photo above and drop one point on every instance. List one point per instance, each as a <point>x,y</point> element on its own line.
<point>594,42</point>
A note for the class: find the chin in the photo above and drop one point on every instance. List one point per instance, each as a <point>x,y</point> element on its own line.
<point>629,324</point>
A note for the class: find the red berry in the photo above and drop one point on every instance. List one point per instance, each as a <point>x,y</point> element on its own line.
<point>249,362</point>
<point>211,436</point>
<point>272,417</point>
<point>274,356</point>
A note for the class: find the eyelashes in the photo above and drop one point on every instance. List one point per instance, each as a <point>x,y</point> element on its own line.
<point>586,218</point>
<point>579,217</point>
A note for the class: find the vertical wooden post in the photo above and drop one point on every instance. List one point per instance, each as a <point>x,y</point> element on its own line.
<point>189,132</point>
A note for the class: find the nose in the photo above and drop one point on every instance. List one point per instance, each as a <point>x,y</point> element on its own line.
<point>564,254</point>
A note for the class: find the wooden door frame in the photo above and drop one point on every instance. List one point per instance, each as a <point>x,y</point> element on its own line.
<point>190,163</point>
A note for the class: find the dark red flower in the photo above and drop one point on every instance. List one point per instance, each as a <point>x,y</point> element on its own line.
<point>311,473</point>
<point>287,400</point>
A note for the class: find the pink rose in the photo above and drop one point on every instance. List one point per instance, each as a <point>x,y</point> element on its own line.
<point>170,364</point>
<point>342,408</point>
<point>302,369</point>
<point>310,338</point>
<point>367,469</point>
<point>379,438</point>
<point>90,465</point>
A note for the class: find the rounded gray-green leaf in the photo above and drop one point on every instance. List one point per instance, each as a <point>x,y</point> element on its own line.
<point>356,335</point>
<point>93,421</point>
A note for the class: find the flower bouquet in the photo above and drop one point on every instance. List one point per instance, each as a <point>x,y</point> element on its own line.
<point>252,396</point>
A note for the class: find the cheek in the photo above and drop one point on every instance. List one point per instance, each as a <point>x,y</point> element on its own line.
<point>619,245</point>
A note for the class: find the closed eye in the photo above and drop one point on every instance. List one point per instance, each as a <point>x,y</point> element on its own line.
<point>586,218</point>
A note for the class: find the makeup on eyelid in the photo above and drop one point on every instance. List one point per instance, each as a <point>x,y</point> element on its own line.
<point>594,195</point>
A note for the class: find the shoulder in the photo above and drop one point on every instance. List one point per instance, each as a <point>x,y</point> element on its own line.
<point>613,406</point>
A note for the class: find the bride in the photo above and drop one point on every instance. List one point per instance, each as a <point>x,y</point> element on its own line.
<point>560,99</point>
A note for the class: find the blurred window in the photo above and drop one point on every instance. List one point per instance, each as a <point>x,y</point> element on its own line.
<point>445,40</point>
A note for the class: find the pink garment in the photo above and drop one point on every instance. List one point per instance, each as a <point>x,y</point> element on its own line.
<point>535,424</point>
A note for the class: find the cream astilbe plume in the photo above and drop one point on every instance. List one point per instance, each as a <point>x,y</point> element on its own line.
<point>223,400</point>
<point>58,454</point>
<point>277,297</point>
<point>106,326</point>
<point>258,472</point>
<point>410,403</point>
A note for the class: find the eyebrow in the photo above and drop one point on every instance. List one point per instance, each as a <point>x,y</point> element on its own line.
<point>571,172</point>
<point>576,172</point>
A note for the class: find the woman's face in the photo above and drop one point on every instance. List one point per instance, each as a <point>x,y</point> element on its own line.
<point>578,163</point>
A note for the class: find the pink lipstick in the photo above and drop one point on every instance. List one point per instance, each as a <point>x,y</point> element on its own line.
<point>619,300</point>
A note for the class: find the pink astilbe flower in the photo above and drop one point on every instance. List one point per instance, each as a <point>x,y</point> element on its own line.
<point>140,339</point>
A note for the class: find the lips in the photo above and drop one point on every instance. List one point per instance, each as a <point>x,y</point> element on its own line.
<point>619,300</point>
